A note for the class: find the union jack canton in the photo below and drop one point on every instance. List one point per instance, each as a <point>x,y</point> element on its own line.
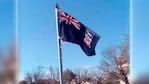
<point>69,19</point>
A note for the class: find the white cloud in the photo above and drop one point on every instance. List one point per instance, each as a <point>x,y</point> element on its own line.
<point>86,66</point>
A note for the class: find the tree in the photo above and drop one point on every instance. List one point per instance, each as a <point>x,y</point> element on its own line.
<point>40,76</point>
<point>37,75</point>
<point>34,77</point>
<point>98,75</point>
<point>78,72</point>
<point>69,75</point>
<point>85,75</point>
<point>23,82</point>
<point>53,76</point>
<point>29,78</point>
<point>116,61</point>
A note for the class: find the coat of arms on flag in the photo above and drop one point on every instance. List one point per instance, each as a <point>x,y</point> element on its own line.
<point>88,38</point>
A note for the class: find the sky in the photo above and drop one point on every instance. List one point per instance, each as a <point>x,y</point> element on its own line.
<point>140,39</point>
<point>7,23</point>
<point>109,18</point>
<point>37,31</point>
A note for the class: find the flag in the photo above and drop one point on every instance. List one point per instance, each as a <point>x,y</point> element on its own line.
<point>71,30</point>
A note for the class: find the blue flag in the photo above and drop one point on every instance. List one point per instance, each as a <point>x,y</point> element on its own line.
<point>71,30</point>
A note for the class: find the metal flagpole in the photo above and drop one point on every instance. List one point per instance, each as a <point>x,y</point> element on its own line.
<point>59,47</point>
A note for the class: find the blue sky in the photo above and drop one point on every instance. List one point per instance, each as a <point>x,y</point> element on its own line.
<point>7,24</point>
<point>37,32</point>
<point>140,40</point>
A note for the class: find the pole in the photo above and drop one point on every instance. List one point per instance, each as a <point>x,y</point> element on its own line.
<point>59,47</point>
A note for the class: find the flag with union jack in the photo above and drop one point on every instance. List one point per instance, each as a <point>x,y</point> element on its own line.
<point>71,30</point>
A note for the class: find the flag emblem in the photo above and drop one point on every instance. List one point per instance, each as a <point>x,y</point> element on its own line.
<point>69,19</point>
<point>88,38</point>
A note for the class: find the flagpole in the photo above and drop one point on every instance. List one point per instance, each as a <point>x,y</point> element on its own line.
<point>59,47</point>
